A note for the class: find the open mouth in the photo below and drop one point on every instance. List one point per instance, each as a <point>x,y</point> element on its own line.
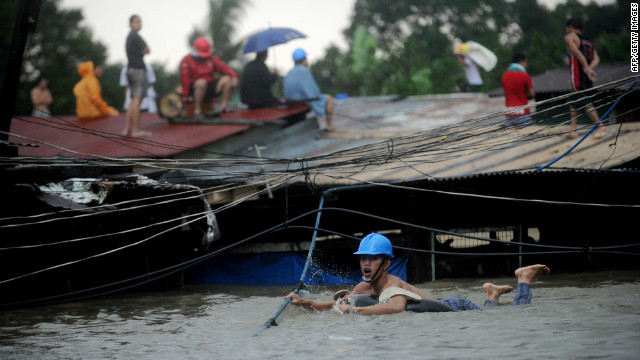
<point>366,274</point>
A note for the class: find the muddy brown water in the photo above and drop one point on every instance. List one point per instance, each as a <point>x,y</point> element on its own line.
<point>572,316</point>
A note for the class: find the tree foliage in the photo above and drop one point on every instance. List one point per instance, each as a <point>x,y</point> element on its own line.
<point>398,48</point>
<point>54,50</point>
<point>59,44</point>
<point>221,27</point>
<point>414,41</point>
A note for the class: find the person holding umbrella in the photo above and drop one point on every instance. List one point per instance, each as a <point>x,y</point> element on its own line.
<point>299,84</point>
<point>255,86</point>
<point>197,76</point>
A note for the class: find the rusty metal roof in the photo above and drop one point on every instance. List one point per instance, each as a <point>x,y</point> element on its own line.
<point>94,138</point>
<point>557,81</point>
<point>377,139</point>
<point>385,139</point>
<point>82,138</point>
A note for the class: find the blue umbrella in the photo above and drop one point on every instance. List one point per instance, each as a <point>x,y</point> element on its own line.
<point>262,40</point>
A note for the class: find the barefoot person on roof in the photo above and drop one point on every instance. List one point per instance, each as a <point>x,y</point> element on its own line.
<point>299,84</point>
<point>583,59</point>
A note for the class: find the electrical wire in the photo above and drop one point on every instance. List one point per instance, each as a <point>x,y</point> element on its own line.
<point>476,136</point>
<point>158,274</point>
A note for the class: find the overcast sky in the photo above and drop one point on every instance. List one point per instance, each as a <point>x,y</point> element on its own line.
<point>166,25</point>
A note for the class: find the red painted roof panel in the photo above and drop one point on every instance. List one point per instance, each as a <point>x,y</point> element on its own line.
<point>82,138</point>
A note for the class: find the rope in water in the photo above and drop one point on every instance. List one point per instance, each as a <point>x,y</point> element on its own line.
<point>158,274</point>
<point>300,286</point>
<point>272,320</point>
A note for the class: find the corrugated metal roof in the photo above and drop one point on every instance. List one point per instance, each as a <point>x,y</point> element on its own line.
<point>385,139</point>
<point>85,138</point>
<point>377,139</point>
<point>557,81</point>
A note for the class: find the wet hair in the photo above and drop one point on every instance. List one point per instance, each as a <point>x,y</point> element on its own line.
<point>575,23</point>
<point>517,57</point>
<point>133,17</point>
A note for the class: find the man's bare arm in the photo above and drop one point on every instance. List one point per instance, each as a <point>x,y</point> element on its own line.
<point>573,41</point>
<point>596,60</point>
<point>395,305</point>
<point>308,304</point>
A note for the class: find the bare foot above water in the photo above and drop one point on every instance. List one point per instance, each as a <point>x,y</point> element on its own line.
<point>494,291</point>
<point>529,273</point>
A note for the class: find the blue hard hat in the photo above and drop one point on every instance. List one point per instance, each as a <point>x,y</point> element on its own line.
<point>299,54</point>
<point>375,244</point>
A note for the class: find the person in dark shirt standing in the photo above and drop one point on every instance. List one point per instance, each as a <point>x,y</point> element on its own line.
<point>583,59</point>
<point>136,76</point>
<point>255,86</point>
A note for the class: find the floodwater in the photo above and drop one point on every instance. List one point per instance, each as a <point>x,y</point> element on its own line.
<point>572,316</point>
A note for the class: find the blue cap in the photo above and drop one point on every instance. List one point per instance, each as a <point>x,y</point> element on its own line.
<point>299,54</point>
<point>375,244</point>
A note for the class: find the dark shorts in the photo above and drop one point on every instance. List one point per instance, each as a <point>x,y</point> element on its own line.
<point>578,101</point>
<point>138,84</point>
<point>210,93</point>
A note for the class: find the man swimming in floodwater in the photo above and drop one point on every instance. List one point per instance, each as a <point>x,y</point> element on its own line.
<point>375,254</point>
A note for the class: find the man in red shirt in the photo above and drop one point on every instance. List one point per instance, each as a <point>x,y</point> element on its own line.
<point>518,88</point>
<point>198,80</point>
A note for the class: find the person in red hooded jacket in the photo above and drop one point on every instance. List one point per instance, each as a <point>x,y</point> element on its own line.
<point>88,92</point>
<point>198,79</point>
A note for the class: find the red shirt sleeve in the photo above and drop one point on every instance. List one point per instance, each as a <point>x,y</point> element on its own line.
<point>185,75</point>
<point>222,68</point>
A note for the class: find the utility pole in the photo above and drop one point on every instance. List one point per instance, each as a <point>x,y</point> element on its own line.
<point>26,20</point>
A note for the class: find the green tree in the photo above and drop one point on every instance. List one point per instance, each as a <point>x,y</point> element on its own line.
<point>361,63</point>
<point>112,92</point>
<point>607,25</point>
<point>327,72</point>
<point>414,41</point>
<point>54,50</point>
<point>221,27</point>
<point>167,81</point>
<point>416,38</point>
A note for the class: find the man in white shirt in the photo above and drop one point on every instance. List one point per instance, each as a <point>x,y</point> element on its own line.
<point>472,73</point>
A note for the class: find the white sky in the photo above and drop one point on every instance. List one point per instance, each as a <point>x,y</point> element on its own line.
<point>166,25</point>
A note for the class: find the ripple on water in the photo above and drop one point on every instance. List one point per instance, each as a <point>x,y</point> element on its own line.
<point>570,317</point>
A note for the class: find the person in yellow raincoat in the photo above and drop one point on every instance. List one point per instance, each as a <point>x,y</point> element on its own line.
<point>88,92</point>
